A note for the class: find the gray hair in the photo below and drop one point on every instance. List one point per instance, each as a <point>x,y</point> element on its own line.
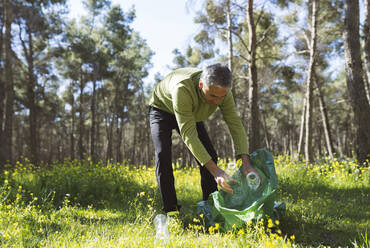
<point>217,75</point>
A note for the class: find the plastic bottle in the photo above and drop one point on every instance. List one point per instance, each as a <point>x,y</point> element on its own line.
<point>231,169</point>
<point>161,228</point>
<point>253,180</point>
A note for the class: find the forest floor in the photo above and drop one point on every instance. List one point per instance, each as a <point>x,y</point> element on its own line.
<point>86,204</point>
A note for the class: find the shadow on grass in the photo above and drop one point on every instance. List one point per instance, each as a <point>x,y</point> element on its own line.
<point>83,186</point>
<point>314,234</point>
<point>317,214</point>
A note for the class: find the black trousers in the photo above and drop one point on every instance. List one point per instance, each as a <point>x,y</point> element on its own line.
<point>161,125</point>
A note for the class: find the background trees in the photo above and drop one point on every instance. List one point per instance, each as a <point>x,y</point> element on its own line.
<point>355,80</point>
<point>75,88</point>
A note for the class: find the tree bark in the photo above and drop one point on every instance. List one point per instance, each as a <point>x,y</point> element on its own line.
<point>9,102</point>
<point>230,41</point>
<point>109,128</point>
<point>33,144</point>
<point>72,134</point>
<point>2,94</point>
<point>148,142</point>
<point>355,82</point>
<point>230,48</point>
<point>123,153</point>
<point>309,87</point>
<point>119,138</point>
<point>292,133</point>
<point>325,120</point>
<point>340,147</point>
<point>133,152</point>
<point>93,119</point>
<point>301,130</point>
<point>265,130</point>
<point>366,32</point>
<point>81,149</point>
<point>253,133</point>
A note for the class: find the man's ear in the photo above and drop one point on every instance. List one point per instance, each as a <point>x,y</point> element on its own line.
<point>200,84</point>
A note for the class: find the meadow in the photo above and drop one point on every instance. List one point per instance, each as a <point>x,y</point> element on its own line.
<point>86,204</point>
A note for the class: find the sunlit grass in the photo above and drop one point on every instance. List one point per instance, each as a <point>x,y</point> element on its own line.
<point>83,204</point>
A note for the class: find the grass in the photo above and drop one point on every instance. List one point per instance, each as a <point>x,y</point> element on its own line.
<point>85,204</point>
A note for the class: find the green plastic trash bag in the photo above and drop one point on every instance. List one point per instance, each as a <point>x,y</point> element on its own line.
<point>234,210</point>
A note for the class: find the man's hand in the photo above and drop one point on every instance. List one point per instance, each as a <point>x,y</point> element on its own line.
<point>247,166</point>
<point>220,176</point>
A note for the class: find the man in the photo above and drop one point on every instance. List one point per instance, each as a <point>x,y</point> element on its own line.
<point>181,101</point>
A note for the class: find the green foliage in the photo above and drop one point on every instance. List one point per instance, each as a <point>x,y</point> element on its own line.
<point>191,58</point>
<point>82,204</point>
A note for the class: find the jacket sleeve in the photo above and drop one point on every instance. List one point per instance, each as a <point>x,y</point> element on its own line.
<point>234,124</point>
<point>183,110</point>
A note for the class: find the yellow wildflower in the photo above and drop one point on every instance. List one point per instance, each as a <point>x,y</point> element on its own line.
<point>217,226</point>
<point>270,224</point>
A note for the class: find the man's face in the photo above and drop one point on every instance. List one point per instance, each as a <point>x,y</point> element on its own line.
<point>212,94</point>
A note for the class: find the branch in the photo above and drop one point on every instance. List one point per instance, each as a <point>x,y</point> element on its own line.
<point>23,43</point>
<point>303,52</point>
<point>263,36</point>
<point>245,58</point>
<point>239,76</point>
<point>242,41</point>
<point>18,61</point>
<point>260,15</point>
<point>307,40</point>
<point>242,8</point>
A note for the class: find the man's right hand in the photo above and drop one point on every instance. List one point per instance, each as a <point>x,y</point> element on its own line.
<point>220,176</point>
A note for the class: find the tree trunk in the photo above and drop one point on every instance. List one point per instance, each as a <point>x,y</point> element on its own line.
<point>325,120</point>
<point>265,130</point>
<point>99,144</point>
<point>148,142</point>
<point>309,89</point>
<point>366,32</point>
<point>244,106</point>
<point>318,140</point>
<point>119,132</point>
<point>230,42</point>
<point>33,138</point>
<point>253,133</point>
<point>355,82</point>
<point>292,133</point>
<point>230,48</point>
<point>81,149</point>
<point>72,134</point>
<point>93,120</point>
<point>9,102</point>
<point>340,143</point>
<point>301,130</point>
<point>133,153</point>
<point>109,126</point>
<point>2,95</point>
